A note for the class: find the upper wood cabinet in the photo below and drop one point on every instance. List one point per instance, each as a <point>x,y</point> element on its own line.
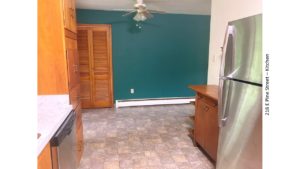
<point>58,65</point>
<point>69,12</point>
<point>73,62</point>
<point>95,62</point>
<point>73,70</point>
<point>52,67</point>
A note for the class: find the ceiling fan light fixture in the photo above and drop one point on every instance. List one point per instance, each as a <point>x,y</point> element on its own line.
<point>139,17</point>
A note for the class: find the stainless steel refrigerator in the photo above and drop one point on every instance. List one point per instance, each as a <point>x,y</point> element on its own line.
<point>240,96</point>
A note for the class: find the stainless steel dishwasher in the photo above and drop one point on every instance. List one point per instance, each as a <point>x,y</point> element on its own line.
<point>65,141</point>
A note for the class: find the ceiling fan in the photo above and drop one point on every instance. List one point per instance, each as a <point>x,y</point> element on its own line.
<point>142,13</point>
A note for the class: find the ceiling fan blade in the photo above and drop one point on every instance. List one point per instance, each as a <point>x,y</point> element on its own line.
<point>157,1</point>
<point>156,11</point>
<point>120,9</point>
<point>147,14</point>
<point>128,13</point>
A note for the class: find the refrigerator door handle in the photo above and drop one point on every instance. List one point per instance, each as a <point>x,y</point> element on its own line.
<point>223,50</point>
<point>220,101</point>
<point>227,52</point>
<point>224,97</point>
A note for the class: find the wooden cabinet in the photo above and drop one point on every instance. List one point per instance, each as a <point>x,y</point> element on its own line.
<point>57,48</point>
<point>69,13</point>
<point>52,67</point>
<point>95,62</point>
<point>206,129</point>
<point>79,133</point>
<point>73,62</point>
<point>58,62</point>
<point>44,159</point>
<point>73,70</point>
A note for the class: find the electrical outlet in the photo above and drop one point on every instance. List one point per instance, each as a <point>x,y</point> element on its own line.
<point>131,91</point>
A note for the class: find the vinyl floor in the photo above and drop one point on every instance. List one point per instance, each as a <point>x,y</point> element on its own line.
<point>150,137</point>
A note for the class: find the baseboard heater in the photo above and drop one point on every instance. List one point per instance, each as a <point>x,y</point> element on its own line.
<point>156,101</point>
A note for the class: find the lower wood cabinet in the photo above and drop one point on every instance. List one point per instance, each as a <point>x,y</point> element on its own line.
<point>206,129</point>
<point>44,159</point>
<point>48,158</point>
<point>79,134</point>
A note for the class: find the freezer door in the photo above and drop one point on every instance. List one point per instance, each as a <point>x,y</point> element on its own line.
<point>242,50</point>
<point>227,53</point>
<point>240,139</point>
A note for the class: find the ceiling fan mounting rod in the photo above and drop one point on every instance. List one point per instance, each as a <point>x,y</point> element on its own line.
<point>139,2</point>
<point>139,6</point>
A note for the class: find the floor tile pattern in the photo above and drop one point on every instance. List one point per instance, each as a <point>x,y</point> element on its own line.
<point>150,137</point>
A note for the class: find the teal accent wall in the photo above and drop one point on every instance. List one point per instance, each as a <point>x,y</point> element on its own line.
<point>161,59</point>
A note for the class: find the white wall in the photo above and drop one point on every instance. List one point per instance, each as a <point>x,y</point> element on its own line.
<point>223,11</point>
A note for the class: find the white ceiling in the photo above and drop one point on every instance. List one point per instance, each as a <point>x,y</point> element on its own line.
<point>201,7</point>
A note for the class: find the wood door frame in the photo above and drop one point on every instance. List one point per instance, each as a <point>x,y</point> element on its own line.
<point>102,27</point>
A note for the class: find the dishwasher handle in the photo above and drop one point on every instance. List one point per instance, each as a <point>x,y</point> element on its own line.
<point>64,130</point>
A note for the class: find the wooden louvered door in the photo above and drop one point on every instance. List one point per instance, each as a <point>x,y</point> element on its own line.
<point>84,67</point>
<point>94,46</point>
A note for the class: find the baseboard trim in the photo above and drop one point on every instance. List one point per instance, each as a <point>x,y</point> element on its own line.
<point>156,101</point>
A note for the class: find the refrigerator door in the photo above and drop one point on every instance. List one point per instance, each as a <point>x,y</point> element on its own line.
<point>242,50</point>
<point>240,139</point>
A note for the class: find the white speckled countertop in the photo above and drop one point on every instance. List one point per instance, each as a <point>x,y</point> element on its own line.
<point>52,111</point>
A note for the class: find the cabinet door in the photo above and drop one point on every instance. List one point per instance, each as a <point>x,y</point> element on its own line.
<point>44,159</point>
<point>69,15</point>
<point>52,67</point>
<point>199,129</point>
<point>206,130</point>
<point>79,133</point>
<point>73,71</point>
<point>85,68</point>
<point>72,59</point>
<point>211,130</point>
<point>71,67</point>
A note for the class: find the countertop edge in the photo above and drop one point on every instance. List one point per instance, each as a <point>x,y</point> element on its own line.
<point>212,96</point>
<point>55,124</point>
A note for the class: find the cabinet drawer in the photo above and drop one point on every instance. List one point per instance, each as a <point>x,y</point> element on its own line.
<point>207,100</point>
